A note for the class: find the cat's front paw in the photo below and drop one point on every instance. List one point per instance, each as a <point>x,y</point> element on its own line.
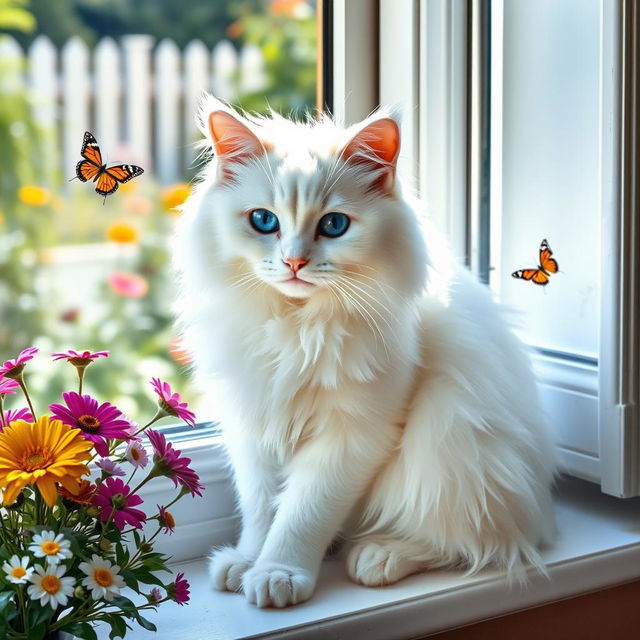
<point>374,563</point>
<point>226,568</point>
<point>277,585</point>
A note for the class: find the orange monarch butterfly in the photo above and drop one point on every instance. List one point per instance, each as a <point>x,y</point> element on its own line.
<point>92,168</point>
<point>541,274</point>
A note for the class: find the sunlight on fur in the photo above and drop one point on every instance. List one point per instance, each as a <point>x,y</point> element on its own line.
<point>366,384</point>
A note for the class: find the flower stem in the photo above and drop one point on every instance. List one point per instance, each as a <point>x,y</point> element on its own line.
<point>2,420</point>
<point>161,414</point>
<point>80,377</point>
<point>23,386</point>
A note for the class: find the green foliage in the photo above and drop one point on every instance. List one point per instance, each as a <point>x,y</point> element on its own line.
<point>14,15</point>
<point>288,45</point>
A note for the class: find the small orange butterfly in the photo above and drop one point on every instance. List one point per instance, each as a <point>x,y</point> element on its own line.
<point>547,266</point>
<point>92,168</point>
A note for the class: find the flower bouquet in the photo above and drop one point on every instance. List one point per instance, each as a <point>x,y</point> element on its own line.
<point>72,535</point>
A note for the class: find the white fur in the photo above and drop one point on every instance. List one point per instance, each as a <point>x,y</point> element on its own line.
<point>400,408</point>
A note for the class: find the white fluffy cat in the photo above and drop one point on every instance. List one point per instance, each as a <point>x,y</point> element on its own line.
<point>365,383</point>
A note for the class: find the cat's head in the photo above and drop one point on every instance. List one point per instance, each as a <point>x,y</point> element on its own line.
<point>306,209</point>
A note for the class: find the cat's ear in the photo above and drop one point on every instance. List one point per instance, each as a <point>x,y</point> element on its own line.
<point>376,147</point>
<point>233,141</point>
<point>228,133</point>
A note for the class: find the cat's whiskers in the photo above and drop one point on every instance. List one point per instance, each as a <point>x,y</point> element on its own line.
<point>366,315</point>
<point>368,305</point>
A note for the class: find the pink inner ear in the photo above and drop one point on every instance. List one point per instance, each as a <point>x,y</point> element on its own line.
<point>232,139</point>
<point>380,138</point>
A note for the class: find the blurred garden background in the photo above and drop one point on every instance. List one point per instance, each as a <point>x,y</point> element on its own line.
<point>77,273</point>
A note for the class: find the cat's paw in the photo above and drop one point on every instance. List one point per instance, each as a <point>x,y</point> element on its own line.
<point>226,568</point>
<point>277,585</point>
<point>374,564</point>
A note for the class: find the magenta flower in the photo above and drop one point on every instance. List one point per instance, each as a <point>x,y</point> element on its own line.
<point>8,386</point>
<point>115,501</point>
<point>13,368</point>
<point>168,462</point>
<point>178,591</point>
<point>79,358</point>
<point>110,467</point>
<point>18,414</point>
<point>166,520</point>
<point>170,403</point>
<point>97,422</point>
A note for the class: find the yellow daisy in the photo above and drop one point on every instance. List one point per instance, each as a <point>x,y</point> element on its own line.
<point>41,453</point>
<point>34,195</point>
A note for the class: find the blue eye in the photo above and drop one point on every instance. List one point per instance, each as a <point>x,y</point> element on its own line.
<point>333,225</point>
<point>264,221</point>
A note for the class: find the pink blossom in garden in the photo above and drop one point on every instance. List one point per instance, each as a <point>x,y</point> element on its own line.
<point>170,402</point>
<point>79,358</point>
<point>97,422</point>
<point>129,285</point>
<point>13,368</point>
<point>169,463</point>
<point>114,496</point>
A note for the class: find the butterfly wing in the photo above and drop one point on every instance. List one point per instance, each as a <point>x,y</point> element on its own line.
<point>536,275</point>
<point>86,170</point>
<point>90,150</point>
<point>106,184</point>
<point>546,261</point>
<point>124,172</point>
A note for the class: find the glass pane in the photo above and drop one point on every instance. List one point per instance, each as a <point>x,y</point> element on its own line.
<point>546,122</point>
<point>81,271</point>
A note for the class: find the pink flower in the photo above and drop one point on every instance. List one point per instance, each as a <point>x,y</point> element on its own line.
<point>168,462</point>
<point>178,591</point>
<point>18,414</point>
<point>110,467</point>
<point>137,455</point>
<point>79,358</point>
<point>97,422</point>
<point>114,497</point>
<point>170,403</point>
<point>129,285</point>
<point>166,520</point>
<point>8,386</point>
<point>13,368</point>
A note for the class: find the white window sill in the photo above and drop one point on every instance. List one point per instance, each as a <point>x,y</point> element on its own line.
<point>598,546</point>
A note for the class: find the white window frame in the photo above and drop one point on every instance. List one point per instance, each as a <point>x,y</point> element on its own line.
<point>423,65</point>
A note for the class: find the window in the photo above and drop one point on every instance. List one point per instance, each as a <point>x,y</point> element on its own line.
<point>512,112</point>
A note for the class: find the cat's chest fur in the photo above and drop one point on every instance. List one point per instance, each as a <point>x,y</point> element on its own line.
<point>291,375</point>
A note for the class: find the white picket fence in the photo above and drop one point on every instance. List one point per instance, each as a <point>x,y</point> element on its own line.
<point>137,98</point>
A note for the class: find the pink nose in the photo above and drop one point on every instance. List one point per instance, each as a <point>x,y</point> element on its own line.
<point>295,264</point>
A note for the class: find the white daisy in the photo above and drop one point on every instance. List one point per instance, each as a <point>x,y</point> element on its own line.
<point>50,587</point>
<point>50,546</point>
<point>102,578</point>
<point>137,455</point>
<point>17,569</point>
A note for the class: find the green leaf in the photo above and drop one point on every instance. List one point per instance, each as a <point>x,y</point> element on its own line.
<point>146,624</point>
<point>39,614</point>
<point>146,577</point>
<point>118,626</point>
<point>130,579</point>
<point>132,611</point>
<point>37,632</point>
<point>82,630</point>
<point>5,598</point>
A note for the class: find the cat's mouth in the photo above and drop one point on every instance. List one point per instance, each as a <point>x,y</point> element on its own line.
<point>297,281</point>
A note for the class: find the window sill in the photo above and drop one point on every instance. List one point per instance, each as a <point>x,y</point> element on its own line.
<point>598,546</point>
